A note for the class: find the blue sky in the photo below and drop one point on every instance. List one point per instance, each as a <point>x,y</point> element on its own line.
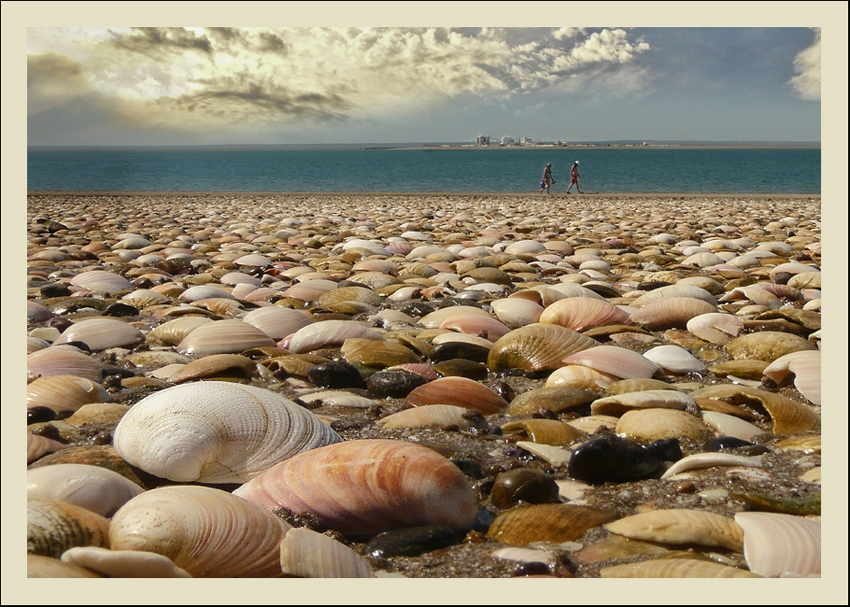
<point>295,85</point>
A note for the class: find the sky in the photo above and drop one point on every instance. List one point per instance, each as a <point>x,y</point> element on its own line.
<point>300,85</point>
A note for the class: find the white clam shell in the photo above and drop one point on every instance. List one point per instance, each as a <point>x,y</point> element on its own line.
<point>216,432</point>
<point>516,312</point>
<point>613,360</point>
<point>277,322</point>
<point>224,337</point>
<point>306,553</point>
<point>675,359</point>
<point>729,425</point>
<point>329,333</point>
<point>91,487</point>
<point>779,544</point>
<point>102,282</point>
<point>442,416</point>
<point>102,334</point>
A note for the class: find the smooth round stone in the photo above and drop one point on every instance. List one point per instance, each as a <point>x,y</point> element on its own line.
<point>523,485</point>
<point>393,384</point>
<point>335,374</point>
<point>613,458</point>
<point>457,349</point>
<point>412,541</point>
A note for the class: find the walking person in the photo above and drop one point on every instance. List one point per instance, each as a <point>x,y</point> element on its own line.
<point>548,180</point>
<point>574,177</point>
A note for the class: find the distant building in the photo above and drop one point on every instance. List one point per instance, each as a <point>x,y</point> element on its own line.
<point>482,140</point>
<point>506,141</point>
<point>527,140</point>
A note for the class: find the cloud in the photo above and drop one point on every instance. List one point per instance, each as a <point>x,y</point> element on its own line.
<point>607,46</point>
<point>565,33</point>
<point>807,81</point>
<point>157,41</point>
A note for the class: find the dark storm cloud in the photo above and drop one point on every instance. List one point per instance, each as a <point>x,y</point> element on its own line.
<point>272,43</point>
<point>51,68</point>
<point>244,97</point>
<point>156,41</point>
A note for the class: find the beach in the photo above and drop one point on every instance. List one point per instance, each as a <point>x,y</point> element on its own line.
<point>706,309</point>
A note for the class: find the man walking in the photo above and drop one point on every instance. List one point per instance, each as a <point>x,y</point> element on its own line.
<point>574,177</point>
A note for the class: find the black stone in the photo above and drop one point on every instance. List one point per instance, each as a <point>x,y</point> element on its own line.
<point>457,349</point>
<point>523,485</point>
<point>393,384</point>
<point>411,541</point>
<point>418,309</point>
<point>612,458</point>
<point>55,289</point>
<point>335,374</point>
<point>121,309</point>
<point>36,415</point>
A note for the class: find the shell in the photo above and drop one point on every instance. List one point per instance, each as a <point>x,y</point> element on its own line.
<point>216,432</point>
<point>546,523</point>
<point>54,526</point>
<point>516,312</point>
<point>306,553</point>
<point>363,487</point>
<point>277,322</point>
<point>175,331</point>
<point>435,320</point>
<point>554,398</point>
<point>619,404</point>
<point>39,446</point>
<point>63,360</point>
<point>224,337</point>
<point>671,312</point>
<point>215,365</point>
<point>536,347</point>
<point>545,431</point>
<point>441,416</point>
<point>580,378</point>
<point>676,290</point>
<point>102,334</point>
<point>767,345</point>
<point>728,425</point>
<point>65,393</point>
<point>580,313</point>
<point>616,361</point>
<point>91,487</point>
<point>788,416</point>
<point>206,532</point>
<point>39,566</point>
<point>708,460</point>
<point>475,324</point>
<point>123,563</point>
<point>329,333</point>
<point>102,282</point>
<point>806,367</point>
<point>778,544</point>
<point>377,352</point>
<point>674,359</point>
<point>460,392</point>
<point>675,568</point>
<point>647,425</point>
<point>681,527</point>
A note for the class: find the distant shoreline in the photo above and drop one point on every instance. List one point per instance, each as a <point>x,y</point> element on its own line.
<point>530,195</point>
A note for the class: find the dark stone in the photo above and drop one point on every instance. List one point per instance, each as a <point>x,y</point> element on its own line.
<point>121,309</point>
<point>36,415</point>
<point>531,568</point>
<point>448,302</point>
<point>612,458</point>
<point>55,289</point>
<point>461,367</point>
<point>411,541</point>
<point>417,309</point>
<point>668,450</point>
<point>651,286</point>
<point>457,349</point>
<point>393,384</point>
<point>725,442</point>
<point>523,485</point>
<point>470,468</point>
<point>335,374</point>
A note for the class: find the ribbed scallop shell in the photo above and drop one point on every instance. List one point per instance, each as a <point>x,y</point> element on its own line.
<point>175,331</point>
<point>681,527</point>
<point>580,313</point>
<point>54,526</point>
<point>224,337</point>
<point>277,322</point>
<point>91,487</point>
<point>460,392</point>
<point>776,544</point>
<point>65,393</point>
<point>806,367</point>
<point>101,281</point>
<point>546,523</point>
<point>306,553</point>
<point>329,333</point>
<point>536,347</point>
<point>101,334</point>
<point>63,360</point>
<point>674,568</point>
<point>616,361</point>
<point>216,432</point>
<point>671,312</point>
<point>363,487</point>
<point>207,532</point>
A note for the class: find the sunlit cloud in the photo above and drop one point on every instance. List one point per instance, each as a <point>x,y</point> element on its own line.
<point>807,81</point>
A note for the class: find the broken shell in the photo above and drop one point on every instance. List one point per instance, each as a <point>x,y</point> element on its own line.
<point>205,531</point>
<point>778,544</point>
<point>789,417</point>
<point>545,431</point>
<point>681,527</point>
<point>216,432</point>
<point>123,563</point>
<point>363,487</point>
<point>728,425</point>
<point>306,553</point>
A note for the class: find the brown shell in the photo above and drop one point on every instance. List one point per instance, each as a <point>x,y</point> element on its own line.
<point>546,523</point>
<point>544,431</point>
<point>675,568</point>
<point>672,312</point>
<point>555,399</point>
<point>680,526</point>
<point>788,416</point>
<point>647,425</point>
<point>53,527</point>
<point>377,352</point>
<point>65,393</point>
<point>767,345</point>
<point>460,392</point>
<point>536,347</point>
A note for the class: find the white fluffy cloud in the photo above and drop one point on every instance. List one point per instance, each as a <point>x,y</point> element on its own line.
<point>807,81</point>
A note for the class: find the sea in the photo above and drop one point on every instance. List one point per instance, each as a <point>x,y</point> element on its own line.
<point>652,169</point>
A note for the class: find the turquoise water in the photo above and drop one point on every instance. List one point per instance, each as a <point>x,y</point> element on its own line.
<point>603,170</point>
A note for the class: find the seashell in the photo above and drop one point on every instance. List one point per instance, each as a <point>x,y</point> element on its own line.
<point>377,352</point>
<point>435,320</point>
<point>440,416</point>
<point>102,282</point>
<point>728,425</point>
<point>374,280</point>
<point>618,547</point>
<point>329,333</point>
<point>546,523</point>
<point>91,487</point>
<point>580,313</point>
<point>338,398</point>
<point>216,432</point>
<point>555,399</point>
<point>306,553</point>
<point>39,566</point>
<point>475,324</point>
<point>681,526</point>
<point>710,460</point>
<point>569,289</point>
<point>767,345</point>
<point>647,425</point>
<point>780,544</point>
<point>142,298</point>
<point>102,334</point>
<point>536,347</point>
<point>363,487</point>
<point>224,337</point>
<point>106,414</point>
<point>619,404</point>
<point>37,313</point>
<point>123,563</point>
<point>675,291</point>
<point>215,365</point>
<point>727,323</point>
<point>34,343</point>
<point>745,369</point>
<point>805,280</point>
<point>812,476</point>
<point>155,358</point>
<point>523,485</point>
<point>615,361</point>
<point>675,568</point>
<point>589,424</point>
<point>557,456</point>
<point>239,278</point>
<point>580,378</point>
<point>806,444</point>
<point>360,295</point>
<point>674,359</point>
<point>65,393</point>
<point>808,319</point>
<point>96,455</point>
<point>39,446</point>
<point>175,331</point>
<point>204,531</point>
<point>638,384</point>
<point>789,417</point>
<point>460,392</point>
<point>516,312</point>
<point>54,526</point>
<point>671,313</point>
<point>63,360</point>
<point>201,292</point>
<point>277,322</point>
<point>545,431</point>
<point>806,367</point>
